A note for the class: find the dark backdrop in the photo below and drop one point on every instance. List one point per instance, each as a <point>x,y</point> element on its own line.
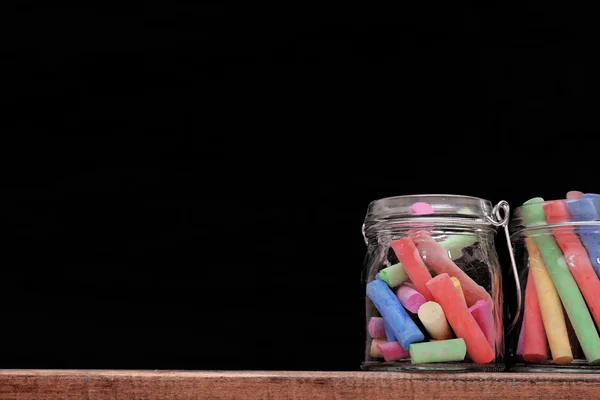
<point>185,184</point>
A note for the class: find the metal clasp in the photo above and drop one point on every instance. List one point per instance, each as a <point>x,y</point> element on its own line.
<point>502,221</point>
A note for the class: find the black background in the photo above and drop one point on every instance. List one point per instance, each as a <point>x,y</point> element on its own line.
<point>185,184</point>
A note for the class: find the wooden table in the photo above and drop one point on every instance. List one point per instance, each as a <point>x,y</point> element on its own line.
<point>148,384</point>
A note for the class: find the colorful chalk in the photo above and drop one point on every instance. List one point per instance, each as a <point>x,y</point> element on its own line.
<point>437,258</point>
<point>535,347</point>
<point>550,307</point>
<point>460,319</point>
<point>394,275</point>
<point>575,255</point>
<point>376,328</point>
<point>392,351</point>
<point>439,351</point>
<point>433,319</point>
<point>484,316</point>
<point>416,270</point>
<point>410,298</point>
<point>404,328</point>
<point>565,284</point>
<point>375,351</point>
<point>583,209</point>
<point>456,284</point>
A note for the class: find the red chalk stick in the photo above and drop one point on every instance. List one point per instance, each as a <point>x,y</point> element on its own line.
<point>535,345</point>
<point>575,255</point>
<point>414,267</point>
<point>439,261</point>
<point>574,194</point>
<point>460,319</point>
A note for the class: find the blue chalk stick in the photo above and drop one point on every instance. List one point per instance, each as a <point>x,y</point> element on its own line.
<point>584,210</point>
<point>389,333</point>
<point>401,324</point>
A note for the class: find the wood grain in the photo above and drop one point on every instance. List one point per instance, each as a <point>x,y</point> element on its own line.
<point>176,385</point>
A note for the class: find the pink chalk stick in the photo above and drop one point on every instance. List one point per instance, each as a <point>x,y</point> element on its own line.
<point>392,351</point>
<point>410,298</point>
<point>421,208</point>
<point>482,313</point>
<point>376,328</point>
<point>574,194</point>
<point>521,343</point>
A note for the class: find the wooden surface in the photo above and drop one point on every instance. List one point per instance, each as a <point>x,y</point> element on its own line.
<point>174,385</point>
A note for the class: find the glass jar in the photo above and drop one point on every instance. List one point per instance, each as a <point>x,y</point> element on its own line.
<point>433,284</point>
<point>557,246</point>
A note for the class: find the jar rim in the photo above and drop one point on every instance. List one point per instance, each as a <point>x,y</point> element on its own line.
<point>446,209</point>
<point>538,213</point>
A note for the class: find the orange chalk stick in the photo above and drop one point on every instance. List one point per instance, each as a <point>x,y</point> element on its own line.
<point>414,266</point>
<point>575,255</point>
<point>535,345</point>
<point>460,319</point>
<point>439,261</point>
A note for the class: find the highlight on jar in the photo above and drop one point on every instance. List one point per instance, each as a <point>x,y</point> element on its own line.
<point>433,289</point>
<point>557,244</point>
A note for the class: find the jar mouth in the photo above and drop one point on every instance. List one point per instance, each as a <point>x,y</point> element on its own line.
<point>538,213</point>
<point>439,209</point>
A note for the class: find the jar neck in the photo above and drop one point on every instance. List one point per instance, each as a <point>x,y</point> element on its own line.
<point>391,230</point>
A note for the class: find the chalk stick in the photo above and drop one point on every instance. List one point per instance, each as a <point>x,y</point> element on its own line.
<point>575,255</point>
<point>584,209</point>
<point>456,284</point>
<point>565,284</point>
<point>484,316</point>
<point>376,328</point>
<point>421,208</point>
<point>414,266</point>
<point>410,298</point>
<point>535,348</point>
<point>392,351</point>
<point>575,348</point>
<point>375,351</point>
<point>389,333</point>
<point>439,351</point>
<point>521,342</point>
<point>550,306</point>
<point>394,275</point>
<point>454,244</point>
<point>574,194</point>
<point>404,328</point>
<point>460,319</point>
<point>433,319</point>
<point>438,260</point>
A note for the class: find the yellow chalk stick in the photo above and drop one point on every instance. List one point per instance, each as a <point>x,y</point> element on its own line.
<point>456,283</point>
<point>550,306</point>
<point>433,319</point>
<point>375,352</point>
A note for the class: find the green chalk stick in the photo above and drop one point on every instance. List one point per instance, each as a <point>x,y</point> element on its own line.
<point>455,243</point>
<point>579,315</point>
<point>394,275</point>
<point>438,351</point>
